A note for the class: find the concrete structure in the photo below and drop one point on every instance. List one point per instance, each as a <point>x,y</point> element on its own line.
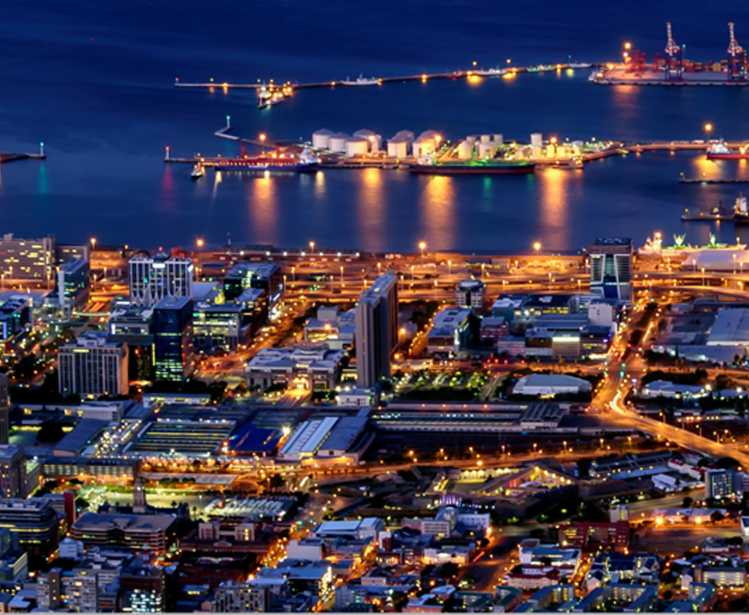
<point>92,366</point>
<point>15,316</point>
<point>376,330</point>
<point>311,367</point>
<point>335,329</point>
<point>731,328</point>
<point>135,532</point>
<point>611,268</point>
<point>155,278</point>
<point>471,294</point>
<point>328,437</point>
<point>12,472</point>
<point>548,385</point>
<point>451,331</point>
<point>26,259</point>
<point>34,524</point>
<point>264,275</point>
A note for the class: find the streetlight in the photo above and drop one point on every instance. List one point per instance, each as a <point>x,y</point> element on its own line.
<point>262,139</point>
<point>93,243</point>
<point>341,276</point>
<point>422,247</point>
<point>449,267</point>
<point>311,248</point>
<point>704,283</point>
<point>628,45</point>
<point>708,130</point>
<point>537,247</point>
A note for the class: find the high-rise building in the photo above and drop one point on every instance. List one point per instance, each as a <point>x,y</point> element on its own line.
<point>34,524</point>
<point>72,284</point>
<point>722,483</point>
<point>221,324</point>
<point>611,268</point>
<point>173,339</point>
<point>26,259</point>
<point>155,278</point>
<point>92,366</point>
<point>472,294</point>
<point>12,472</point>
<point>133,325</point>
<point>4,410</point>
<point>266,276</point>
<point>376,330</point>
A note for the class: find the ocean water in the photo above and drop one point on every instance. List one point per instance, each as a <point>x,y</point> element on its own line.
<point>94,81</point>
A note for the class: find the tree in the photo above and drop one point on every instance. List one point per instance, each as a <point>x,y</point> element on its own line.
<point>448,570</point>
<point>687,503</point>
<point>716,517</point>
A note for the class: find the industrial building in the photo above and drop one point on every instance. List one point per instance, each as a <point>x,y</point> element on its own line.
<point>548,385</point>
<point>198,438</point>
<point>731,328</point>
<point>331,437</point>
<point>151,533</point>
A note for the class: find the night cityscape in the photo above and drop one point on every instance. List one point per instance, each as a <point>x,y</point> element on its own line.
<point>375,308</point>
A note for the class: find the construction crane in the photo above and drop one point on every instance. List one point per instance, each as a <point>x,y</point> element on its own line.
<point>736,59</point>
<point>673,69</point>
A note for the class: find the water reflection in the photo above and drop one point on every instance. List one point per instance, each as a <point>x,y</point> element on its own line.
<point>262,200</point>
<point>371,210</point>
<point>554,214</point>
<point>437,209</point>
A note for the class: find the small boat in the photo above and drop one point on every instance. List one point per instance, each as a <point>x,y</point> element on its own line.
<point>491,72</point>
<point>362,80</point>
<point>580,65</point>
<point>197,171</point>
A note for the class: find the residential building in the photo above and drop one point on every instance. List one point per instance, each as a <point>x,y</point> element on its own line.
<point>313,367</point>
<point>15,315</point>
<point>452,331</point>
<point>34,524</point>
<point>91,366</point>
<point>151,533</point>
<point>722,483</point>
<point>258,595</point>
<point>376,330</point>
<point>173,339</point>
<point>611,268</point>
<point>72,285</point>
<point>26,259</point>
<point>158,277</point>
<point>724,577</point>
<point>471,293</point>
<point>591,536</point>
<point>12,472</point>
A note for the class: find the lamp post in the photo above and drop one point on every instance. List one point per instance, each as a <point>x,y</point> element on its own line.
<point>422,247</point>
<point>537,247</point>
<point>708,130</point>
<point>200,243</point>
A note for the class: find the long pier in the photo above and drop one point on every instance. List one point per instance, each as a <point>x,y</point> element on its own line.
<point>7,157</point>
<point>718,180</point>
<point>458,74</point>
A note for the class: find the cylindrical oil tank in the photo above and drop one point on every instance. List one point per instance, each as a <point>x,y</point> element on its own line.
<point>465,150</point>
<point>499,140</point>
<point>357,146</point>
<point>486,138</point>
<point>337,142</point>
<point>321,138</point>
<point>397,148</point>
<point>537,139</point>
<point>487,150</point>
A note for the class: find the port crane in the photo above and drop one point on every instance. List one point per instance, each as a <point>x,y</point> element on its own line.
<point>674,68</point>
<point>736,59</point>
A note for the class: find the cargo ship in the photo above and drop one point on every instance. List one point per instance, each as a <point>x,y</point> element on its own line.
<point>720,151</point>
<point>472,167</point>
<point>304,162</point>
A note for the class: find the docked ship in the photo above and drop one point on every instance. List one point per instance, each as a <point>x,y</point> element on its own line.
<point>294,163</point>
<point>580,65</point>
<point>720,151</point>
<point>491,72</point>
<point>474,167</point>
<point>362,80</point>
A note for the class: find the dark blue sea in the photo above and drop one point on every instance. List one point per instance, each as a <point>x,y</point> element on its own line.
<point>93,80</point>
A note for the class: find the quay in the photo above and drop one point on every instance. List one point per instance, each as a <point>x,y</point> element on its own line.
<point>7,157</point>
<point>704,180</point>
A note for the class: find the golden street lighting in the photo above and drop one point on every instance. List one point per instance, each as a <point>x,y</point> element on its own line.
<point>537,247</point>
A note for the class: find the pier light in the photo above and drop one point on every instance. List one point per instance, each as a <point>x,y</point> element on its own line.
<point>509,61</point>
<point>200,243</point>
<point>262,137</point>
<point>628,45</point>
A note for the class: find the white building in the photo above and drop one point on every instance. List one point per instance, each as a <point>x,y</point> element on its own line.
<point>154,278</point>
<point>471,294</point>
<point>663,388</point>
<point>312,367</point>
<point>601,314</point>
<point>550,384</point>
<point>731,328</point>
<point>91,366</point>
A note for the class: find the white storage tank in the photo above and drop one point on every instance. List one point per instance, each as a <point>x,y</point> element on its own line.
<point>406,135</point>
<point>471,139</point>
<point>337,142</point>
<point>375,143</point>
<point>397,148</point>
<point>357,146</point>
<point>321,138</point>
<point>373,139</point>
<point>486,138</point>
<point>487,150</point>
<point>423,147</point>
<point>537,139</point>
<point>465,150</point>
<point>499,140</point>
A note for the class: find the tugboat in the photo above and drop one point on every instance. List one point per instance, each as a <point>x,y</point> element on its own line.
<point>197,171</point>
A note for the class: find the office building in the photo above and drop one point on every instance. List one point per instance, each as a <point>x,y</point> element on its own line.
<point>722,483</point>
<point>15,315</point>
<point>151,533</point>
<point>376,330</point>
<point>452,330</point>
<point>611,268</point>
<point>26,259</point>
<point>92,469</point>
<point>265,276</point>
<point>91,366</point>
<point>173,339</point>
<point>34,524</point>
<point>471,294</point>
<point>66,252</point>
<point>221,324</point>
<point>309,367</point>
<point>72,285</point>
<point>12,472</point>
<point>158,277</point>
<point>133,325</point>
<point>4,410</point>
<point>335,329</point>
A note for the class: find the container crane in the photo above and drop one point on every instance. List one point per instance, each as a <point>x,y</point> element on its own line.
<point>736,59</point>
<point>674,69</point>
